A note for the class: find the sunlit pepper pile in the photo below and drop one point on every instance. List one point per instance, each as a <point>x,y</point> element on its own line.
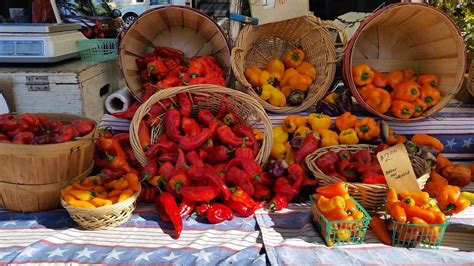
<point>29,128</point>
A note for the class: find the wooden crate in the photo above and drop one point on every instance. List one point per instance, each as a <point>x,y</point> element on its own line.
<point>72,87</point>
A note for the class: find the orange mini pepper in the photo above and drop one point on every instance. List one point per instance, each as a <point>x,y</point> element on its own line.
<point>394,79</point>
<point>132,180</point>
<point>337,189</point>
<point>121,184</point>
<point>345,121</point>
<point>409,74</point>
<point>402,109</point>
<point>392,195</point>
<point>407,91</point>
<point>427,140</point>
<point>379,99</point>
<point>415,211</point>
<point>362,74</point>
<point>81,204</point>
<point>428,79</point>
<point>420,198</point>
<point>430,95</point>
<point>366,128</point>
<point>293,58</point>
<point>127,193</point>
<point>336,215</point>
<point>379,80</point>
<point>420,107</point>
<point>442,161</point>
<point>380,229</point>
<point>396,210</point>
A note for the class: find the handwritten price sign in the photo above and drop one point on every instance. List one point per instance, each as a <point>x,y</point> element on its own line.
<point>397,169</point>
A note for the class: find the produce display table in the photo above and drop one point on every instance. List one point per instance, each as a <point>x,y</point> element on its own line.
<point>286,237</point>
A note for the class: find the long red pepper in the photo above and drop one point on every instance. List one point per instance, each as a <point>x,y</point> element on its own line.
<point>161,146</point>
<point>144,135</point>
<point>296,172</point>
<point>237,194</point>
<point>180,161</point>
<point>245,131</point>
<point>219,213</point>
<point>227,136</point>
<point>261,192</point>
<point>190,127</point>
<point>194,158</point>
<point>150,170</point>
<point>171,208</point>
<point>240,208</point>
<point>191,143</point>
<point>173,123</point>
<point>185,105</point>
<point>161,210</point>
<point>282,185</point>
<point>205,116</point>
<point>279,202</point>
<point>200,193</point>
<point>129,113</point>
<point>219,154</point>
<point>248,165</point>
<point>186,207</point>
<point>166,170</point>
<point>309,145</point>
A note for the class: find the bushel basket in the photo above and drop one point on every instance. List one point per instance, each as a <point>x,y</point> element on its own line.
<point>371,196</point>
<point>247,110</point>
<point>258,45</point>
<point>409,35</point>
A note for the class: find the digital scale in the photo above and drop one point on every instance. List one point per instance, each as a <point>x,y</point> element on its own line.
<point>38,43</point>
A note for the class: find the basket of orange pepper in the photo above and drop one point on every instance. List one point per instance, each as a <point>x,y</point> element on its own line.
<point>98,202</point>
<point>415,220</point>
<point>338,217</point>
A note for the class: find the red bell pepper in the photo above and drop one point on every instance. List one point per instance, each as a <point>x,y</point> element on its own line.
<point>373,178</point>
<point>28,122</point>
<point>186,207</point>
<point>327,162</point>
<point>171,208</point>
<point>373,167</point>
<point>263,178</point>
<point>240,178</point>
<point>157,68</point>
<point>279,202</point>
<point>66,133</point>
<point>23,138</point>
<point>169,52</point>
<point>240,208</point>
<point>381,147</point>
<point>44,139</point>
<point>218,213</point>
<point>363,156</point>
<point>344,155</point>
<point>83,126</point>
<point>185,105</point>
<point>202,208</point>
<point>247,132</point>
<point>168,157</point>
<point>172,123</point>
<point>190,127</point>
<point>347,169</point>
<point>309,145</point>
<point>191,143</point>
<point>200,193</point>
<point>261,192</point>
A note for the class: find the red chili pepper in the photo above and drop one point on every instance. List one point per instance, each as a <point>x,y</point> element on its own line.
<point>161,146</point>
<point>152,120</point>
<point>171,208</point>
<point>190,127</point>
<point>263,178</point>
<point>168,82</point>
<point>28,122</point>
<point>166,170</point>
<point>279,202</point>
<point>208,146</point>
<point>240,178</point>
<point>200,193</point>
<point>4,137</point>
<point>240,208</point>
<point>252,168</point>
<point>197,80</point>
<point>51,127</point>
<point>172,64</point>
<point>245,131</point>
<point>229,119</point>
<point>239,195</point>
<point>83,126</point>
<point>194,142</point>
<point>122,138</point>
<point>168,157</point>
<point>218,213</point>
<point>10,124</point>
<point>196,68</point>
<point>227,136</point>
<point>373,178</point>
<point>161,210</point>
<point>219,154</point>
<point>244,152</point>
<point>66,133</point>
<point>205,116</point>
<point>169,52</point>
<point>297,174</point>
<point>147,194</point>
<point>129,113</point>
<point>261,192</point>
<point>111,174</point>
<point>199,173</point>
<point>172,123</point>
<point>119,163</point>
<point>157,68</point>
<point>149,170</point>
<point>144,135</point>
<point>202,208</point>
<point>194,158</point>
<point>310,182</point>
<point>282,185</point>
<point>160,107</point>
<point>363,156</point>
<point>309,145</point>
<point>347,169</point>
<point>23,138</point>
<point>185,105</point>
<point>202,153</point>
<point>177,182</point>
<point>186,207</point>
<point>110,146</point>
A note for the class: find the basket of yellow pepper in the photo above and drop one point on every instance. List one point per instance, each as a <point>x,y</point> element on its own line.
<point>289,65</point>
<point>339,218</point>
<point>98,203</point>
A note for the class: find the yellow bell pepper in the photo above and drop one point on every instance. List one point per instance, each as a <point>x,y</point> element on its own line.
<point>300,82</point>
<point>278,150</point>
<point>279,135</point>
<point>328,138</point>
<point>276,68</point>
<point>266,92</point>
<point>307,69</point>
<point>98,202</point>
<point>319,121</point>
<point>302,132</point>
<point>81,204</point>
<point>289,73</point>
<point>265,78</point>
<point>252,74</point>
<point>82,194</point>
<point>292,122</point>
<point>276,98</point>
<point>331,98</point>
<point>348,136</point>
<point>258,134</point>
<point>290,154</point>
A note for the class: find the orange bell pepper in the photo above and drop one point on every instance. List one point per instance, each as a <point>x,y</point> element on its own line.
<point>394,79</point>
<point>420,107</point>
<point>366,90</point>
<point>427,140</point>
<point>392,137</point>
<point>457,174</point>
<point>407,91</point>
<point>276,68</point>
<point>428,79</point>
<point>379,99</point>
<point>362,74</point>
<point>366,128</point>
<point>409,75</point>
<point>379,80</point>
<point>336,189</point>
<point>442,162</point>
<point>430,95</point>
<point>307,69</point>
<point>402,109</point>
<point>293,58</point>
<point>435,184</point>
<point>345,121</point>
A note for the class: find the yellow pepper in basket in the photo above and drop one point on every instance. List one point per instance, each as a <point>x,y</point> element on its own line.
<point>328,138</point>
<point>65,190</point>
<point>98,202</point>
<point>331,98</point>
<point>307,69</point>
<point>292,122</point>
<point>290,154</point>
<point>302,132</point>
<point>252,74</point>
<point>275,96</point>
<point>348,136</point>
<point>319,121</point>
<point>279,135</point>
<point>289,73</point>
<point>81,204</point>
<point>126,194</point>
<point>276,68</point>
<point>82,194</point>
<point>300,82</point>
<point>278,150</point>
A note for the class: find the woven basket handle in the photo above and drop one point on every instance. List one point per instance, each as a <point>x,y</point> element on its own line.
<point>340,47</point>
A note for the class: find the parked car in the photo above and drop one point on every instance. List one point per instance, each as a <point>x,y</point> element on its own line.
<point>97,19</point>
<point>131,13</point>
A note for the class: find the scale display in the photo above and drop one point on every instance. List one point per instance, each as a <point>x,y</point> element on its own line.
<point>21,48</point>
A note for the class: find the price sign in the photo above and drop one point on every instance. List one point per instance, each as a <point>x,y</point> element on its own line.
<point>397,169</point>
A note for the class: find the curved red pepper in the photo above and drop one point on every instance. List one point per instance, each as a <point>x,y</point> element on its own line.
<point>244,152</point>
<point>240,208</point>
<point>110,146</point>
<point>166,170</point>
<point>240,178</point>
<point>83,126</point>
<point>185,105</point>
<point>168,157</point>
<point>208,145</point>
<point>219,154</point>
<point>245,131</point>
<point>309,145</point>
<point>190,127</point>
<point>110,175</point>
<point>191,143</point>
<point>119,163</point>
<point>205,116</point>
<point>229,119</point>
<point>282,185</point>
<point>129,113</point>
<point>180,161</point>
<point>149,170</point>
<point>177,182</point>
<point>160,107</point>
<point>23,138</point>
<point>262,192</point>
<point>194,158</point>
<point>66,133</point>
<point>172,123</point>
<point>186,207</point>
<point>169,52</point>
<point>252,168</point>
<point>160,146</point>
<point>171,208</point>
<point>144,135</point>
<point>279,202</point>
<point>200,193</point>
<point>263,178</point>
<point>296,173</point>
<point>227,136</point>
<point>157,67</point>
<point>218,213</point>
<point>239,195</point>
<point>202,208</point>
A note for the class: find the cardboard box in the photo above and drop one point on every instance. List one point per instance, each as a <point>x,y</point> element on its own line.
<point>268,11</point>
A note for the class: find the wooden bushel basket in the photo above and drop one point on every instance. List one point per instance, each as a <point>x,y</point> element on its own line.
<point>31,175</point>
<point>409,35</point>
<point>179,27</point>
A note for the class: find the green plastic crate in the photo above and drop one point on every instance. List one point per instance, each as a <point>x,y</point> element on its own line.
<point>98,50</point>
<point>331,231</point>
<point>416,236</point>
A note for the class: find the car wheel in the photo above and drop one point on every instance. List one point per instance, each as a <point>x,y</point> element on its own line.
<point>128,19</point>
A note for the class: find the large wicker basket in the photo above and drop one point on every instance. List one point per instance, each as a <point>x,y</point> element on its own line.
<point>179,27</point>
<point>371,196</point>
<point>409,35</point>
<point>257,45</point>
<point>246,108</point>
<point>31,175</point>
<point>470,79</point>
<point>105,216</point>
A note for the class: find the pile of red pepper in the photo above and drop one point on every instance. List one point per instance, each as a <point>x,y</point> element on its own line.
<point>167,67</point>
<point>28,128</point>
<point>361,166</point>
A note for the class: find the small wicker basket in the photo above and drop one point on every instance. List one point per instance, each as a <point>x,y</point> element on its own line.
<point>246,108</point>
<point>470,79</point>
<point>370,196</point>
<point>258,45</point>
<point>103,217</point>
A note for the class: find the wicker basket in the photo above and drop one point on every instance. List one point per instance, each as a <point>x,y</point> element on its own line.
<point>470,79</point>
<point>247,109</point>
<point>179,27</point>
<point>257,45</point>
<point>371,196</point>
<point>409,35</point>
<point>103,217</point>
<point>31,175</point>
